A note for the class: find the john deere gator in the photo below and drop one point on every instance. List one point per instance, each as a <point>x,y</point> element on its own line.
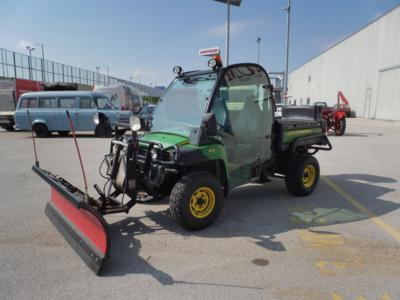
<point>212,131</point>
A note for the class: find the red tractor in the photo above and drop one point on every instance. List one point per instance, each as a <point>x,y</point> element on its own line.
<point>335,117</point>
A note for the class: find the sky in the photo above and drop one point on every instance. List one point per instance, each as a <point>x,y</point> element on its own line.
<point>144,39</point>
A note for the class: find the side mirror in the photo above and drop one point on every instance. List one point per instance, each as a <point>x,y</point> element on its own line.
<point>268,86</point>
<point>210,124</point>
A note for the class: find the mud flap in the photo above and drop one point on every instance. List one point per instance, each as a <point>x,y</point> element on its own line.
<point>82,226</point>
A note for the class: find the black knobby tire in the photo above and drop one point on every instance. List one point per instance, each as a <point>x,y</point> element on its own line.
<point>63,133</point>
<point>41,130</point>
<point>9,127</point>
<point>341,127</point>
<point>185,196</point>
<point>302,175</point>
<point>103,130</point>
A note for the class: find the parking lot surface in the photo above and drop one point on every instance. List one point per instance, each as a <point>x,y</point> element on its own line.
<point>342,242</point>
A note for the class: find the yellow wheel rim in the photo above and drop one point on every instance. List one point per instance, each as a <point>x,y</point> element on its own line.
<point>202,202</point>
<point>309,175</point>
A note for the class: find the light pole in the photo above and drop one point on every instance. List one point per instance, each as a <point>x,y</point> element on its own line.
<point>228,24</point>
<point>43,72</point>
<point>3,62</point>
<point>258,41</point>
<point>108,73</point>
<point>287,9</point>
<point>98,75</point>
<point>30,49</point>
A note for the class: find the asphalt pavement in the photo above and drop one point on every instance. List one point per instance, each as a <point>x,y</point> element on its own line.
<point>342,242</point>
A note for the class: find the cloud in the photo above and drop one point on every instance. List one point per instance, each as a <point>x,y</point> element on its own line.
<point>23,44</point>
<point>377,15</point>
<point>322,43</point>
<point>144,76</point>
<point>221,29</point>
<point>143,72</point>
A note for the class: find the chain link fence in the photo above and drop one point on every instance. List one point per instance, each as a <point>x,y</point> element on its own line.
<point>22,66</point>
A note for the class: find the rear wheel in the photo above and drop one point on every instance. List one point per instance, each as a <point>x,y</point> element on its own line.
<point>340,126</point>
<point>63,133</point>
<point>41,130</point>
<point>103,130</point>
<point>196,200</point>
<point>303,175</point>
<point>9,127</point>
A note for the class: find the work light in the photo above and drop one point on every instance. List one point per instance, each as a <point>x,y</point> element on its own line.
<point>177,70</point>
<point>212,63</point>
<point>154,154</point>
<point>134,123</point>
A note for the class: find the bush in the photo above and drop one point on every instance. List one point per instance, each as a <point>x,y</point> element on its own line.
<point>151,99</point>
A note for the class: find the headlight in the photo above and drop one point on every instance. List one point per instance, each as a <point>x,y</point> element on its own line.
<point>134,123</point>
<point>96,118</point>
<point>154,154</point>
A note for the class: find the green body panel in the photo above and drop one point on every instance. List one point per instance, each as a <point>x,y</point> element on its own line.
<point>166,139</point>
<point>215,152</point>
<point>290,135</point>
<point>210,151</point>
<point>236,175</point>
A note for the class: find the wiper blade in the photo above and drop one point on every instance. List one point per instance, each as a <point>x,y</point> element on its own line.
<point>170,133</point>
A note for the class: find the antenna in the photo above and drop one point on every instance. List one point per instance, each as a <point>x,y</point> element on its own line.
<point>79,153</point>
<point>33,140</point>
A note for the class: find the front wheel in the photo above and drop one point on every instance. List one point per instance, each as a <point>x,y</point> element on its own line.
<point>103,130</point>
<point>196,200</point>
<point>41,130</point>
<point>9,127</point>
<point>340,126</point>
<point>303,175</point>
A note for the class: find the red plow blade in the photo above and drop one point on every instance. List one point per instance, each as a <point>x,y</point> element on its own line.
<point>82,226</point>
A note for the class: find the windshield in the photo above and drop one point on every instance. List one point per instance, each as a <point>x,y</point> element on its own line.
<point>104,103</point>
<point>182,107</point>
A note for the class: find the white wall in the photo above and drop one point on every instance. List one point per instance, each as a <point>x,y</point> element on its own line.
<point>365,67</point>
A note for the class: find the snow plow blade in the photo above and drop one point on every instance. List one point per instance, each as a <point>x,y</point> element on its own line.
<point>82,226</point>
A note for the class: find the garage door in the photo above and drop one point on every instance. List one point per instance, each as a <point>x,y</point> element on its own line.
<point>388,97</point>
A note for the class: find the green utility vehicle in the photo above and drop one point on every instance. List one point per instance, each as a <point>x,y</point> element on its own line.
<point>212,131</point>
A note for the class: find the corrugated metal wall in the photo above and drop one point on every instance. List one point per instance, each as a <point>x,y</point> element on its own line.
<point>365,66</point>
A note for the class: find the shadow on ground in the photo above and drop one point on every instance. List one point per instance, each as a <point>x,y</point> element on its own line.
<point>257,212</point>
<point>366,134</point>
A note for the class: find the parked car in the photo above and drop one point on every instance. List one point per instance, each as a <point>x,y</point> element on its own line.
<point>278,111</point>
<point>145,114</point>
<point>123,96</point>
<point>89,111</point>
<point>146,111</point>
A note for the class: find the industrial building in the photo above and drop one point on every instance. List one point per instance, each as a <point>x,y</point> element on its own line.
<point>365,66</point>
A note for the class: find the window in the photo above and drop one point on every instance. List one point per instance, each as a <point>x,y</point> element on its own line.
<point>242,102</point>
<point>86,102</point>
<point>104,103</point>
<point>67,102</point>
<point>308,100</point>
<point>48,102</point>
<point>33,103</point>
<point>244,114</point>
<point>24,103</point>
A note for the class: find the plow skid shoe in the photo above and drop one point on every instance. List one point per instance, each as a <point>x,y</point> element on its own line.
<point>80,224</point>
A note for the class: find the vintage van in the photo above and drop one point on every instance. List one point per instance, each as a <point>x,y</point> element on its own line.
<point>89,111</point>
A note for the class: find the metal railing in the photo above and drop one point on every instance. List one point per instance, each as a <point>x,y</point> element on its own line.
<point>22,66</point>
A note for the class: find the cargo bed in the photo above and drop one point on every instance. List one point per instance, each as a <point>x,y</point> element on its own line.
<point>292,133</point>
